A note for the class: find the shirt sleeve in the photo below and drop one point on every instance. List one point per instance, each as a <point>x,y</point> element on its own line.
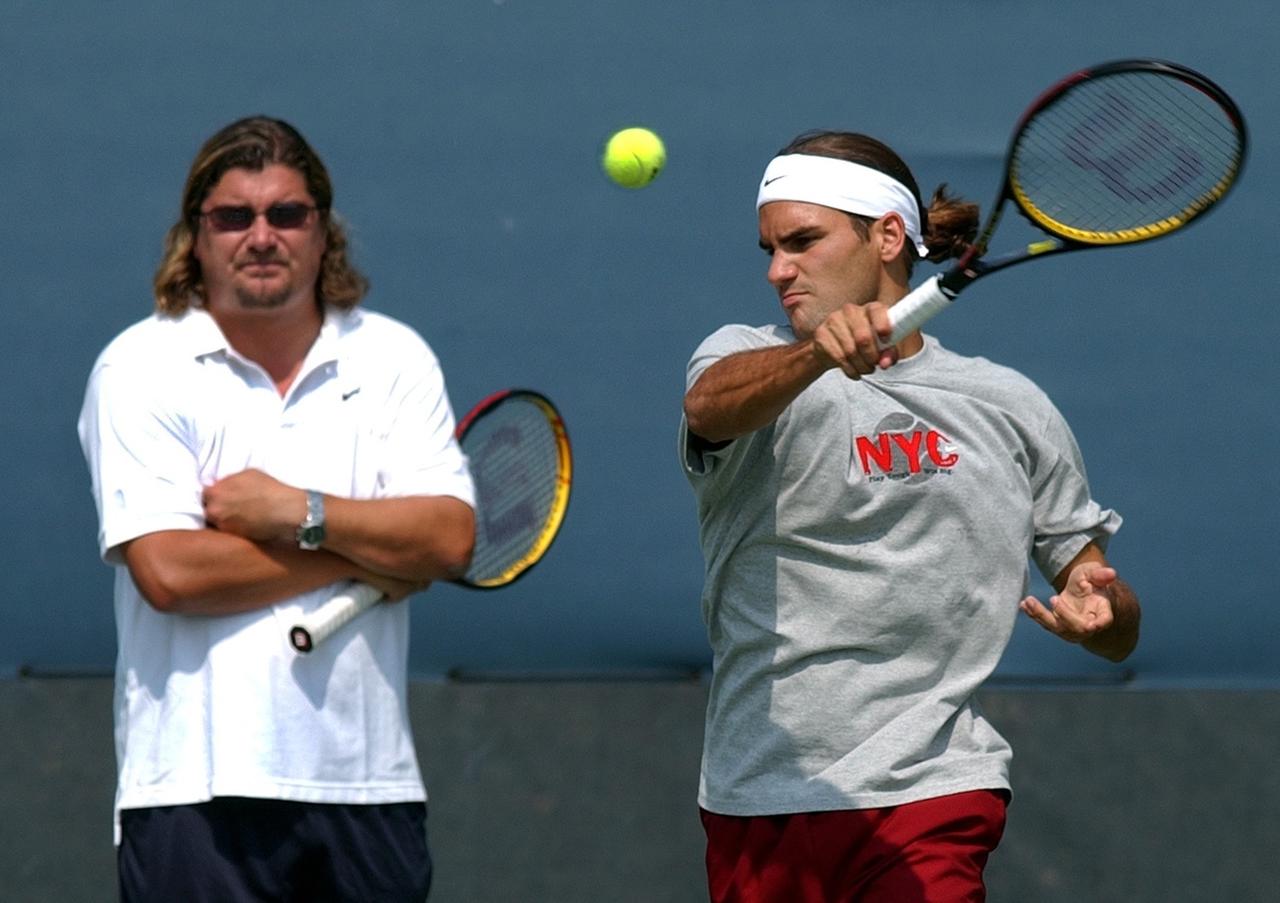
<point>422,456</point>
<point>1066,516</point>
<point>698,456</point>
<point>141,462</point>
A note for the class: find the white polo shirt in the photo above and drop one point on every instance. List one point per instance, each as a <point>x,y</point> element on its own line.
<point>223,706</point>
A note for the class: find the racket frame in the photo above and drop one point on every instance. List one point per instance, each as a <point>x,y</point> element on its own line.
<point>936,293</point>
<point>324,621</point>
<point>561,492</point>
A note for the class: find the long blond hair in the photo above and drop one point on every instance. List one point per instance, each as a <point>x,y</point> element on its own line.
<point>253,143</point>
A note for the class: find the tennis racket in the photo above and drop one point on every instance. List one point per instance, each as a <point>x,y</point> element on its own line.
<point>1121,153</point>
<point>521,464</point>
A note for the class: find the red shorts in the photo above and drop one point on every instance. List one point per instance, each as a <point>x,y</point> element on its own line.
<point>921,852</point>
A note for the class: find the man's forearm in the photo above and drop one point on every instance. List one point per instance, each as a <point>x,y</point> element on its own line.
<point>415,538</point>
<point>744,392</point>
<point>1121,638</point>
<point>208,572</point>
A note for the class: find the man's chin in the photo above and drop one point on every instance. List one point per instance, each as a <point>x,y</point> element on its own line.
<point>800,327</point>
<point>262,298</point>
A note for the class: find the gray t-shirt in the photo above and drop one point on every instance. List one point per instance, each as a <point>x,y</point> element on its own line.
<point>865,556</point>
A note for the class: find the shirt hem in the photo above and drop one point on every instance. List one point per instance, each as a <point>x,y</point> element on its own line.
<point>294,792</point>
<point>792,804</point>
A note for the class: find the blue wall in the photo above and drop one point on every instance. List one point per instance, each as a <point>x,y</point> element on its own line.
<point>463,138</point>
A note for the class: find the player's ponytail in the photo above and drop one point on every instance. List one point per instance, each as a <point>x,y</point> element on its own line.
<point>951,224</point>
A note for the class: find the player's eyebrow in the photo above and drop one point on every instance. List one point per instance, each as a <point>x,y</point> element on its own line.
<point>796,234</point>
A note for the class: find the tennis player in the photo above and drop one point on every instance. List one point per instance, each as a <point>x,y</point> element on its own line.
<point>254,444</point>
<point>866,515</point>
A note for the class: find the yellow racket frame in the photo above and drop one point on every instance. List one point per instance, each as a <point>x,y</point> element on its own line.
<point>559,498</point>
<point>1122,236</point>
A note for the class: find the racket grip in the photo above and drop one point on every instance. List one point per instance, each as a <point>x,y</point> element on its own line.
<point>320,624</point>
<point>917,307</point>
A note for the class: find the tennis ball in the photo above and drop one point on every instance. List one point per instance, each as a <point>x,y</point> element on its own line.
<point>633,157</point>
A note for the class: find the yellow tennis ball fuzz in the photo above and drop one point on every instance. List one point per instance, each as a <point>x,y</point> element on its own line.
<point>634,157</point>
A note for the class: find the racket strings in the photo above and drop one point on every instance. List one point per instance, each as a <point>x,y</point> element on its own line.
<point>1125,153</point>
<point>515,457</point>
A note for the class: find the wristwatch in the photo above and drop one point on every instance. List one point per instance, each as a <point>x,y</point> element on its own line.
<point>311,530</point>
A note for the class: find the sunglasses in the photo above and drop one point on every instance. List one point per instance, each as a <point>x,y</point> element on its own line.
<point>238,219</point>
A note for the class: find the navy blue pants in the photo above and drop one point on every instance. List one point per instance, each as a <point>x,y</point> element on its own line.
<point>235,850</point>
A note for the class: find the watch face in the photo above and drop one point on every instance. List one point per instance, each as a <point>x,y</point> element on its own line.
<point>311,530</point>
<point>311,537</point>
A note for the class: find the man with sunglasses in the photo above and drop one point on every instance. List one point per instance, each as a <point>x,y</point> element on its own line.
<point>254,444</point>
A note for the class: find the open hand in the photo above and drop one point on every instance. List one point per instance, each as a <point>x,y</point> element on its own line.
<point>1082,609</point>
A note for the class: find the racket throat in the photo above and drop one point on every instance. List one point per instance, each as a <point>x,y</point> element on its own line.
<point>968,267</point>
<point>953,281</point>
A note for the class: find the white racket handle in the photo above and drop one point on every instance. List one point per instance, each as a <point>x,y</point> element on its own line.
<point>320,624</point>
<point>916,308</point>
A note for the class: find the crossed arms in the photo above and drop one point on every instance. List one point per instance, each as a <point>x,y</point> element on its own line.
<point>247,556</point>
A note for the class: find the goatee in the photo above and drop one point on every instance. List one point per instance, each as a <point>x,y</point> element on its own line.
<point>262,300</point>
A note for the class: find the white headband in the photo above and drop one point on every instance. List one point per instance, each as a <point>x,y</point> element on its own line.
<point>842,185</point>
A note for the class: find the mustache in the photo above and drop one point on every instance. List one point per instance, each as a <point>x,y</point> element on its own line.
<point>260,259</point>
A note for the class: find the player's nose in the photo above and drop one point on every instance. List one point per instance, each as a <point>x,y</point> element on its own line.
<point>781,269</point>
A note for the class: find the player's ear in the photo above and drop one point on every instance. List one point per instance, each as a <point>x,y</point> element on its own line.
<point>892,233</point>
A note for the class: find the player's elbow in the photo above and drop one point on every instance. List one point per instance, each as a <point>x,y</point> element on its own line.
<point>157,567</point>
<point>162,599</point>
<point>1117,644</point>
<point>700,420</point>
<point>457,549</point>
<point>156,584</point>
<point>1121,650</point>
<point>445,553</point>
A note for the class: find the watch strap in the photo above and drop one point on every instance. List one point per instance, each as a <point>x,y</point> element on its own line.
<point>311,530</point>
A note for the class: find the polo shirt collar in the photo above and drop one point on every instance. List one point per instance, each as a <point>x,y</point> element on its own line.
<point>202,336</point>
